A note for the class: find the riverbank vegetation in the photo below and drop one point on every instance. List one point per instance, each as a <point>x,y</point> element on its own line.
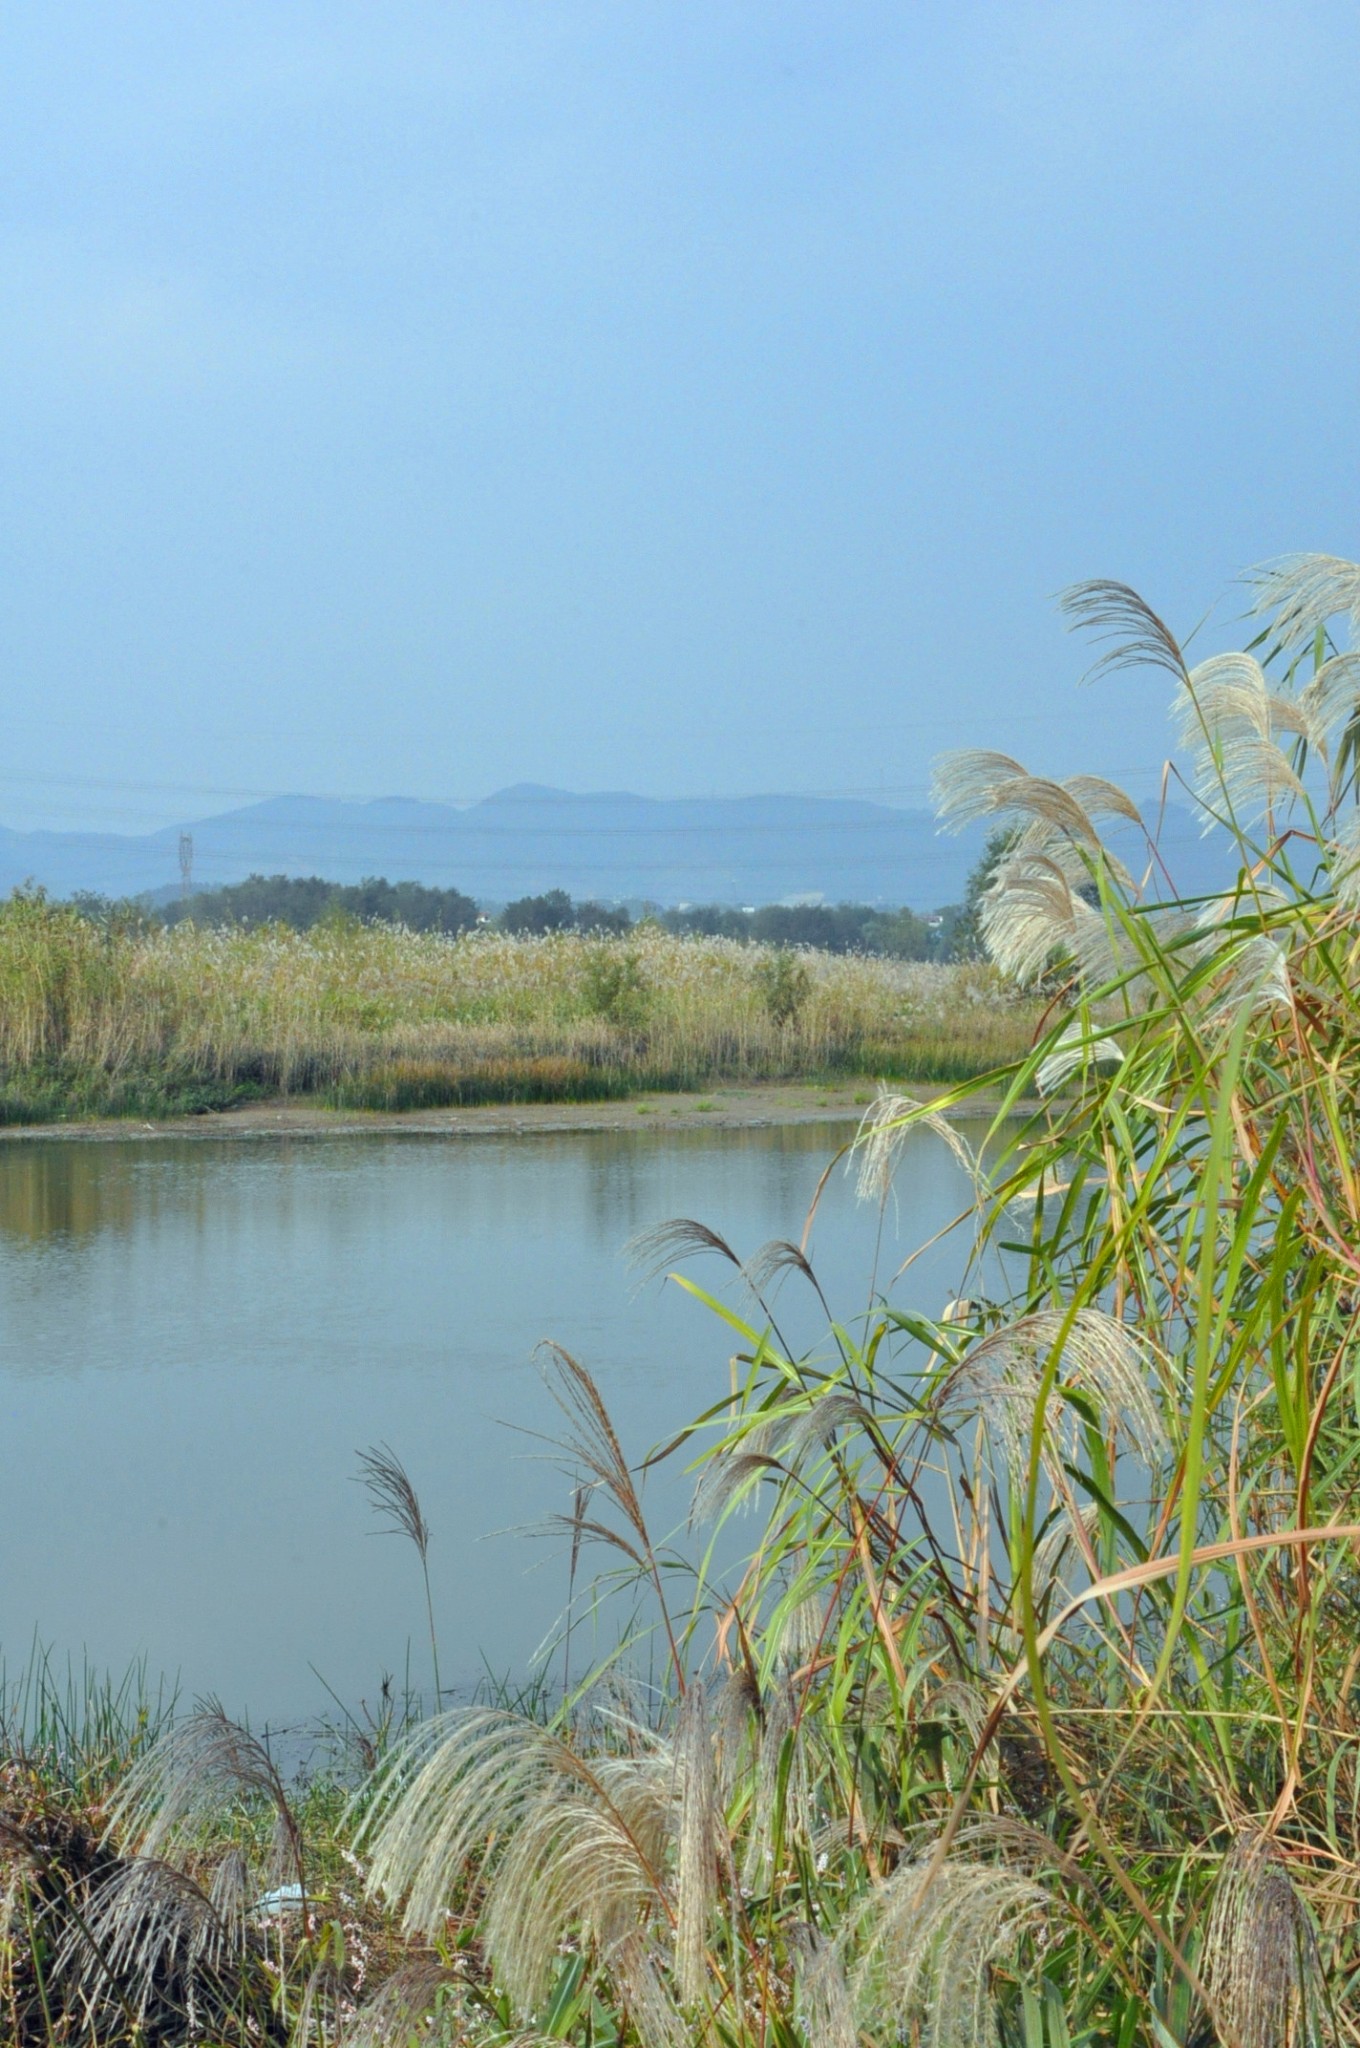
<point>301,902</point>
<point>1032,1716</point>
<point>111,1019</point>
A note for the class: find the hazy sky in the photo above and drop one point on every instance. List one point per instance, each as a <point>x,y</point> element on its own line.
<point>693,397</point>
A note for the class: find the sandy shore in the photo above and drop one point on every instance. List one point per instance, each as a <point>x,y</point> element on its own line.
<point>752,1108</point>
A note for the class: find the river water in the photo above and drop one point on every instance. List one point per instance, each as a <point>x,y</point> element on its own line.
<point>197,1337</point>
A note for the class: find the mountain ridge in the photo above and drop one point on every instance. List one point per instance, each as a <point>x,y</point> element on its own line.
<point>529,837</point>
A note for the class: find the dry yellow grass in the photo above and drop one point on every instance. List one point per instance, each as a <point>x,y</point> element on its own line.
<point>382,1016</point>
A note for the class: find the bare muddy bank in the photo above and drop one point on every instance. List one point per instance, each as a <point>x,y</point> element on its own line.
<point>748,1108</point>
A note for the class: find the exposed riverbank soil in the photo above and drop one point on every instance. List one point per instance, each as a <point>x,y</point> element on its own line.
<point>744,1108</point>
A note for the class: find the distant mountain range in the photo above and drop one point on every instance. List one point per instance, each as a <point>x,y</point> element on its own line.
<point>521,841</point>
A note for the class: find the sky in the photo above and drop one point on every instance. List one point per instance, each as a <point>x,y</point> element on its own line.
<point>691,398</point>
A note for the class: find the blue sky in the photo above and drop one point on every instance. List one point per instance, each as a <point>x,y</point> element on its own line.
<point>679,397</point>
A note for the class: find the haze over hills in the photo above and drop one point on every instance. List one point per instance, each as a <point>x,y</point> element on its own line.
<point>612,846</point>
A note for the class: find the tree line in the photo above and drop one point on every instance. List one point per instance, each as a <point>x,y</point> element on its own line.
<point>304,902</point>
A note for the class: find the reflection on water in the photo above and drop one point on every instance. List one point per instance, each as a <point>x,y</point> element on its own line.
<point>196,1337</point>
<point>53,1190</point>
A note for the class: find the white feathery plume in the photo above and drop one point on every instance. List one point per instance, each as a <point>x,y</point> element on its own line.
<point>931,1962</point>
<point>804,1627</point>
<point>566,1842</point>
<point>1302,592</point>
<point>1250,970</point>
<point>1031,912</point>
<point>1070,1525</point>
<point>403,2006</point>
<point>973,784</point>
<point>1075,1048</point>
<point>569,1865</point>
<point>147,1932</point>
<point>1261,1963</point>
<point>1344,860</point>
<point>998,1380</point>
<point>965,1700</point>
<point>1016,1842</point>
<point>771,1448</point>
<point>1229,721</point>
<point>1114,613</point>
<point>1050,804</point>
<point>1257,979</point>
<point>885,1129</point>
<point>696,1874</point>
<point>230,1889</point>
<point>779,1727</point>
<point>735,1721</point>
<point>825,2009</point>
<point>187,1776</point>
<point>732,1472</point>
<point>1101,799</point>
<point>1078,862</point>
<point>963,785</point>
<point>1081,862</point>
<point>636,1967</point>
<point>1331,702</point>
<point>816,1425</point>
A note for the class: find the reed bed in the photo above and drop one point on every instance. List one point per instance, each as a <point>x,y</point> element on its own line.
<point>379,1017</point>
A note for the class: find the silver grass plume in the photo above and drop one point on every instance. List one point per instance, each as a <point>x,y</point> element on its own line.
<point>998,1380</point>
<point>1101,799</point>
<point>148,1934</point>
<point>1076,1047</point>
<point>931,1961</point>
<point>189,1774</point>
<point>1231,723</point>
<point>393,1496</point>
<point>1261,1963</point>
<point>965,1700</point>
<point>395,1499</point>
<point>736,1717</point>
<point>1256,978</point>
<point>1078,861</point>
<point>780,1730</point>
<point>652,1251</point>
<point>404,2005</point>
<point>564,1843</point>
<point>591,1440</point>
<point>1301,593</point>
<point>972,784</point>
<point>1344,860</point>
<point>824,2007</point>
<point>1249,971</point>
<point>883,1132</point>
<point>804,1623</point>
<point>963,785</point>
<point>1036,904</point>
<point>635,1967</point>
<point>1017,1843</point>
<point>231,1891</point>
<point>1330,703</point>
<point>1074,1528</point>
<point>696,1872</point>
<point>772,1260</point>
<point>1115,613</point>
<point>1031,913</point>
<point>772,1448</point>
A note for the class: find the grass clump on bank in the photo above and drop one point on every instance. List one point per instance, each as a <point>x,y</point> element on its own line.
<point>1031,1716</point>
<point>147,1022</point>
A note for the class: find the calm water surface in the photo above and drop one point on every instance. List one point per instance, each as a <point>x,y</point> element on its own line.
<point>197,1336</point>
